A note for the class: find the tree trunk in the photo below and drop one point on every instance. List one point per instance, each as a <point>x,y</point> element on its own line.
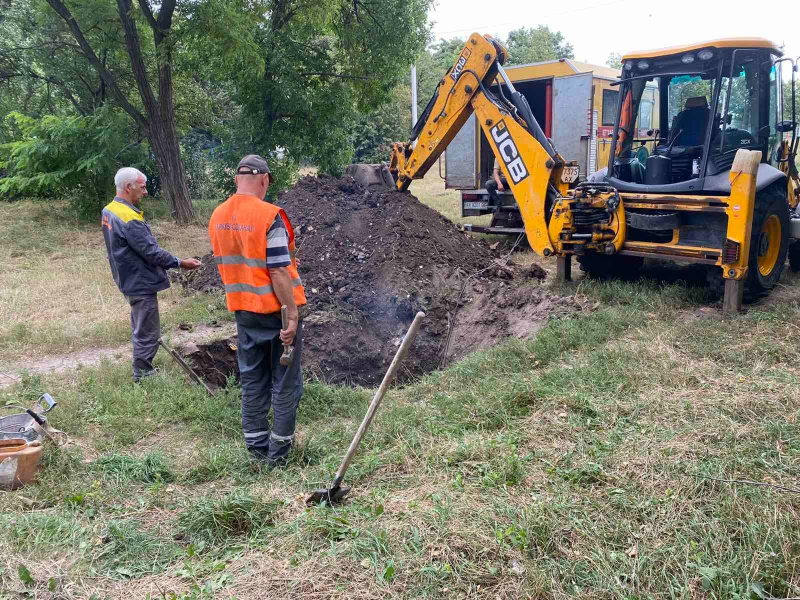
<point>159,122</point>
<point>164,141</point>
<point>161,113</point>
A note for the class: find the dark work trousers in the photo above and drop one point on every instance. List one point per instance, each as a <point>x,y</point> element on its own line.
<point>146,327</point>
<point>491,188</point>
<point>266,383</point>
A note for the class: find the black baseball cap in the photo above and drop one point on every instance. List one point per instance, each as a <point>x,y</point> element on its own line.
<point>253,164</point>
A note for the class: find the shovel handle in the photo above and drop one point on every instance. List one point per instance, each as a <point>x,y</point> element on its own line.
<point>185,367</point>
<point>399,356</point>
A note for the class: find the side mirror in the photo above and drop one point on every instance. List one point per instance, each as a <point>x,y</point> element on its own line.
<point>786,126</point>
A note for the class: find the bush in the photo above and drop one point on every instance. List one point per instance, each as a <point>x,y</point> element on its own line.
<point>71,157</point>
<point>222,165</point>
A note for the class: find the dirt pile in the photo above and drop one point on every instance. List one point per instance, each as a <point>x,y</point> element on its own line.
<point>370,260</point>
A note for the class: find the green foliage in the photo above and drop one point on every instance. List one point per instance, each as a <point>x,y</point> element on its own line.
<point>374,132</point>
<point>299,83</point>
<point>73,157</point>
<point>535,44</point>
<point>151,468</point>
<point>614,60</point>
<point>287,82</point>
<point>432,65</point>
<point>223,160</point>
<point>787,100</point>
<point>215,520</point>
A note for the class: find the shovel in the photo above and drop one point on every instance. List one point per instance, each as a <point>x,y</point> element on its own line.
<point>336,492</point>
<point>185,367</point>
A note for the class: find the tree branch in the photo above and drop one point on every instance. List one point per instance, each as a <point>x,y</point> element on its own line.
<point>148,14</point>
<point>340,76</point>
<point>165,15</point>
<point>5,76</point>
<point>105,74</point>
<point>134,47</point>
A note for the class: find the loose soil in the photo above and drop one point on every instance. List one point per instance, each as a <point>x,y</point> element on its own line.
<point>369,261</point>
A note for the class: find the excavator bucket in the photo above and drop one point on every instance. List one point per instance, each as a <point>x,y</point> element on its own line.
<point>372,177</point>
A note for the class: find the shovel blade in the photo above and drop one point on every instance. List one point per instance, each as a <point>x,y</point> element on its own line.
<point>330,496</point>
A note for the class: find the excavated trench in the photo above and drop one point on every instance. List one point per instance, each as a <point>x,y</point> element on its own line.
<point>369,261</point>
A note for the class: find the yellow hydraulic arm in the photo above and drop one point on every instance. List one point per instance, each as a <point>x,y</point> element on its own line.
<point>527,158</point>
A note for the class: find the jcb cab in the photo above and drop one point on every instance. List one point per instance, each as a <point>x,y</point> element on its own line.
<point>682,201</point>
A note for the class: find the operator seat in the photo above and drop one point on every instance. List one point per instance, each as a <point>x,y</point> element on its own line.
<point>692,122</point>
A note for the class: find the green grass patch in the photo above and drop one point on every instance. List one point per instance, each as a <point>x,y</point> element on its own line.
<point>236,515</point>
<point>151,468</point>
<point>43,532</point>
<point>129,551</point>
<point>582,463</point>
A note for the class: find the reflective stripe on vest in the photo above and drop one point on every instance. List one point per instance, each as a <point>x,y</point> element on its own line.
<point>238,231</point>
<point>252,289</point>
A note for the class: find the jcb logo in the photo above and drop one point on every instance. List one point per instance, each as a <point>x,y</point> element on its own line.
<point>462,61</point>
<point>509,153</point>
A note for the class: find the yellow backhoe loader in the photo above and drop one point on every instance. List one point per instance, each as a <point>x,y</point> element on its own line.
<point>719,186</point>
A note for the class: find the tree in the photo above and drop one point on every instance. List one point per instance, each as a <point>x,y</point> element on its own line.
<point>158,118</point>
<point>529,45</point>
<point>614,60</point>
<point>375,132</point>
<point>284,78</point>
<point>787,100</point>
<point>310,70</point>
<point>73,157</point>
<point>432,64</point>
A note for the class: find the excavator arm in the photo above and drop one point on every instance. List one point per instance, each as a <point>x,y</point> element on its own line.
<point>525,155</point>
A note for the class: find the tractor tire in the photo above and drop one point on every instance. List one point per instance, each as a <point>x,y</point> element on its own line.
<point>769,241</point>
<point>601,266</point>
<point>794,256</point>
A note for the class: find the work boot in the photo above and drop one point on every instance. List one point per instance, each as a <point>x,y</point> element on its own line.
<point>260,455</point>
<point>150,373</point>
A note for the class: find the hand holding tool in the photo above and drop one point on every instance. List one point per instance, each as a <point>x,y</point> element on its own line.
<point>288,350</point>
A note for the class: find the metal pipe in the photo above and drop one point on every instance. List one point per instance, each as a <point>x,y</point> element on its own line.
<point>506,80</point>
<point>414,94</point>
<point>727,101</point>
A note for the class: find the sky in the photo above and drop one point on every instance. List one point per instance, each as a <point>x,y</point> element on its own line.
<point>596,28</point>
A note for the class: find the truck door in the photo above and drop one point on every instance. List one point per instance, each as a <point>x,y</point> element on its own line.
<point>461,158</point>
<point>572,101</point>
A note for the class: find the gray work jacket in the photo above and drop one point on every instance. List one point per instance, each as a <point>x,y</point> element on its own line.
<point>137,262</point>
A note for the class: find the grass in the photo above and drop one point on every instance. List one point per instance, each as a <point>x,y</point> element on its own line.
<point>584,463</point>
<point>120,468</point>
<point>217,520</point>
<point>56,290</point>
<point>605,458</point>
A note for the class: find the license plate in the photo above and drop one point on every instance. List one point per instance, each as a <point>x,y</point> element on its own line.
<point>475,205</point>
<point>569,174</point>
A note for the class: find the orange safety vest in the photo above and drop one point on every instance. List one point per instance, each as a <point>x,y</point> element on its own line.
<point>238,231</point>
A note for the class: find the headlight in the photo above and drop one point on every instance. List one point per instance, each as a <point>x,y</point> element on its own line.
<point>628,65</point>
<point>687,59</point>
<point>643,65</point>
<point>705,55</point>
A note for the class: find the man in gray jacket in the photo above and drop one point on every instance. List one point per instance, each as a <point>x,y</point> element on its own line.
<point>138,265</point>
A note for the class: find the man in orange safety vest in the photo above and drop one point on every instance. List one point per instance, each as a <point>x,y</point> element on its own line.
<point>253,243</point>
